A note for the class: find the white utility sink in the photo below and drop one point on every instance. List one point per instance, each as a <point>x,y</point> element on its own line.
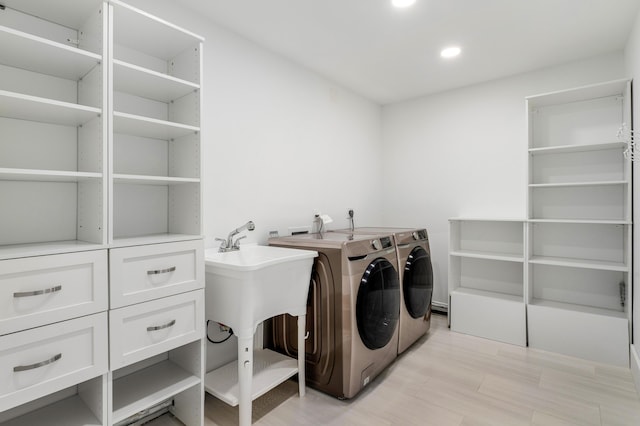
<point>244,288</point>
<point>250,285</point>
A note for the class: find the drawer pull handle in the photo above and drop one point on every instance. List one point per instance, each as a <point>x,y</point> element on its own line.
<point>37,292</point>
<point>161,327</point>
<point>37,364</point>
<point>161,271</point>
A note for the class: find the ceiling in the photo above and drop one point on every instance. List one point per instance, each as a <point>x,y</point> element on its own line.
<point>388,54</point>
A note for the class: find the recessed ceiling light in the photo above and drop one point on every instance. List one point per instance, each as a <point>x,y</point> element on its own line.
<point>450,52</point>
<point>402,3</point>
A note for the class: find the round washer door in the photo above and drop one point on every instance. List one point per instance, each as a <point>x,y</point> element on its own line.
<point>417,284</point>
<point>378,304</point>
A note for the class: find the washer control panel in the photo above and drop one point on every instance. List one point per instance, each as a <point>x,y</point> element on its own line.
<point>420,234</point>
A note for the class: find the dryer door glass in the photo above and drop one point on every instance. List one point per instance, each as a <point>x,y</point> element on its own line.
<point>378,304</point>
<point>417,284</point>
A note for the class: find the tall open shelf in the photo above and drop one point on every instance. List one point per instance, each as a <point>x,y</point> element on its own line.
<point>486,278</point>
<point>52,107</point>
<point>579,211</point>
<point>561,279</point>
<point>101,251</point>
<point>155,146</point>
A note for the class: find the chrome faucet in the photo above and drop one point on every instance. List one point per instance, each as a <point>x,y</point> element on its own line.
<point>229,244</point>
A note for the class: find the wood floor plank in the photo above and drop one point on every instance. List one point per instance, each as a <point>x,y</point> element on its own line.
<point>452,379</point>
<point>559,405</point>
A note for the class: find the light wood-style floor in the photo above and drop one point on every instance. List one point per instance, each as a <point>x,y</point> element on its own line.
<point>448,378</point>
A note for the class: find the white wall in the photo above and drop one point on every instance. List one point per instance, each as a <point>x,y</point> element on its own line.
<point>632,62</point>
<point>464,152</point>
<point>280,143</point>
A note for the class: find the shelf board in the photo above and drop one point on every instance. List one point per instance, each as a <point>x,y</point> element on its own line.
<point>582,221</point>
<point>484,219</point>
<point>152,180</point>
<point>33,108</point>
<point>152,239</point>
<point>578,94</point>
<point>489,294</point>
<point>149,84</point>
<point>69,411</point>
<point>46,175</point>
<point>579,308</point>
<point>579,263</point>
<point>168,41</point>
<point>269,370</point>
<point>507,257</point>
<point>146,127</point>
<point>45,56</point>
<point>577,148</point>
<point>149,386</point>
<point>578,184</point>
<point>69,13</point>
<point>13,251</point>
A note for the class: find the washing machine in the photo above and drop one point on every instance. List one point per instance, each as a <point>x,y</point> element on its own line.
<point>415,276</point>
<point>353,311</point>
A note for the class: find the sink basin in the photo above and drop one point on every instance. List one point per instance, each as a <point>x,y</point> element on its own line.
<point>248,286</point>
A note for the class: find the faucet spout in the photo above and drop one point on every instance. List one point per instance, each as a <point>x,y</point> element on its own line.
<point>230,244</point>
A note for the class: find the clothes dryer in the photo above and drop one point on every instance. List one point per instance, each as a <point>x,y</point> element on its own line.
<point>416,279</point>
<point>352,311</point>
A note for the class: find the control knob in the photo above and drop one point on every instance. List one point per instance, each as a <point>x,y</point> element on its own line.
<point>376,244</point>
<point>416,235</point>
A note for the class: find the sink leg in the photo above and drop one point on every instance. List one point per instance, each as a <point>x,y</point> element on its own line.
<point>245,378</point>
<point>302,323</point>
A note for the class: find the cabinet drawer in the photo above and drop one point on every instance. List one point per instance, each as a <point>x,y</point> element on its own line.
<point>147,329</point>
<point>43,360</point>
<point>36,291</point>
<point>143,273</point>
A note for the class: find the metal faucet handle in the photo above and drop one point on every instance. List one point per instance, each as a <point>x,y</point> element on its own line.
<point>236,244</point>
<point>223,242</point>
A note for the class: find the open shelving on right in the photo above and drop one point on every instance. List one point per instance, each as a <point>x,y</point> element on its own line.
<point>579,223</point>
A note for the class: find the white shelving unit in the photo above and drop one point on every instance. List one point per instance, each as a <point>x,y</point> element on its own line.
<point>580,223</point>
<point>53,215</point>
<point>52,107</point>
<point>100,220</point>
<point>486,278</point>
<point>155,145</point>
<point>156,256</point>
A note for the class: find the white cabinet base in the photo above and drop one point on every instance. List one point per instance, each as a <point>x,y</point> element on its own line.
<point>490,315</point>
<point>579,333</point>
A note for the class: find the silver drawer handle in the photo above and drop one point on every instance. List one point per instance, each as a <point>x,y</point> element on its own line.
<point>37,292</point>
<point>161,271</point>
<point>163,326</point>
<point>37,364</point>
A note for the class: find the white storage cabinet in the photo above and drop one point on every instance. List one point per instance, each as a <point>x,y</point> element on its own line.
<point>486,278</point>
<point>156,321</point>
<point>53,214</point>
<point>99,165</point>
<point>580,223</point>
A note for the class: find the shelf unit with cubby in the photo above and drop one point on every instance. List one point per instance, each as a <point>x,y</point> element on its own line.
<point>486,278</point>
<point>579,209</point>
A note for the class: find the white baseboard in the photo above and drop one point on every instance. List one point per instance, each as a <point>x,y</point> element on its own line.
<point>635,366</point>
